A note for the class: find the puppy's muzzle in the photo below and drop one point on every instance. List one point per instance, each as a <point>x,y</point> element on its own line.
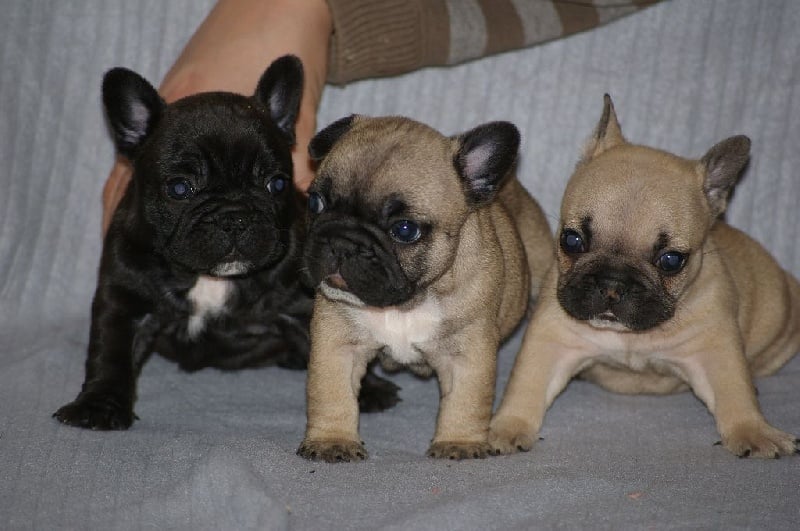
<point>226,239</point>
<point>231,220</point>
<point>605,293</point>
<point>358,258</point>
<point>615,295</point>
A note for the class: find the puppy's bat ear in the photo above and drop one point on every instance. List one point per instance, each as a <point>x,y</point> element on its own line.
<point>721,167</point>
<point>133,107</point>
<point>484,157</point>
<point>323,141</point>
<point>606,135</point>
<point>280,90</point>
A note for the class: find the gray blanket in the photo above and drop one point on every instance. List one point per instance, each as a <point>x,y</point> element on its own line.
<point>217,451</point>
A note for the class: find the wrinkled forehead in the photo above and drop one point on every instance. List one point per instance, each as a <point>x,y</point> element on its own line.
<point>224,127</point>
<point>636,197</point>
<point>378,164</point>
<point>227,116</point>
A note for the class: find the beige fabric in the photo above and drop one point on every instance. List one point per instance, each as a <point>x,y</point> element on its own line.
<point>374,38</point>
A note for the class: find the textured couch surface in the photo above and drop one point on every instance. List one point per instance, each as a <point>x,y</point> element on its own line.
<point>217,451</point>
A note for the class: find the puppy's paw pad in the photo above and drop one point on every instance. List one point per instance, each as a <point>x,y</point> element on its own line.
<point>759,439</point>
<point>509,437</point>
<point>96,412</point>
<point>459,450</point>
<point>332,451</point>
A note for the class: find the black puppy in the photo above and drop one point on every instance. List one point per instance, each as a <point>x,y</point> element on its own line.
<point>201,261</point>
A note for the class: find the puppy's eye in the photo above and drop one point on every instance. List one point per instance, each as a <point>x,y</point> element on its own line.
<point>316,204</point>
<point>277,184</point>
<point>405,231</point>
<point>671,261</point>
<point>572,242</point>
<point>180,188</point>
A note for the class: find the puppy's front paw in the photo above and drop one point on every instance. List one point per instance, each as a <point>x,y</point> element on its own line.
<point>332,451</point>
<point>97,412</point>
<point>510,435</point>
<point>759,439</point>
<point>458,450</point>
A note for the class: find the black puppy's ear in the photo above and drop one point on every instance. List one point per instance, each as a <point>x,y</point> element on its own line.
<point>485,156</point>
<point>133,107</point>
<point>323,141</point>
<point>721,167</point>
<point>280,90</point>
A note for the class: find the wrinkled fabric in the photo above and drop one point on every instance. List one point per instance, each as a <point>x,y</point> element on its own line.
<point>216,450</point>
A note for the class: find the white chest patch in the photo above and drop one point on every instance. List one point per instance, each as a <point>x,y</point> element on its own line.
<point>208,297</point>
<point>401,332</point>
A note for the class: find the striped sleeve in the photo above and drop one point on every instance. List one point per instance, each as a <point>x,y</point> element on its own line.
<point>374,38</point>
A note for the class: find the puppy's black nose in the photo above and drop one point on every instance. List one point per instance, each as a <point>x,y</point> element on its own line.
<point>611,289</point>
<point>233,222</point>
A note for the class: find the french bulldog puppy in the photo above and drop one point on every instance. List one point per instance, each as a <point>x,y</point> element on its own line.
<point>653,293</point>
<point>426,254</point>
<point>201,261</point>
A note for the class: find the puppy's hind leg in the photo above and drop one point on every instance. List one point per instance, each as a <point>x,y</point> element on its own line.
<point>376,393</point>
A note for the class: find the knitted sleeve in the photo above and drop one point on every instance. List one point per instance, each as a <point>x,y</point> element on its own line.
<point>373,38</point>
